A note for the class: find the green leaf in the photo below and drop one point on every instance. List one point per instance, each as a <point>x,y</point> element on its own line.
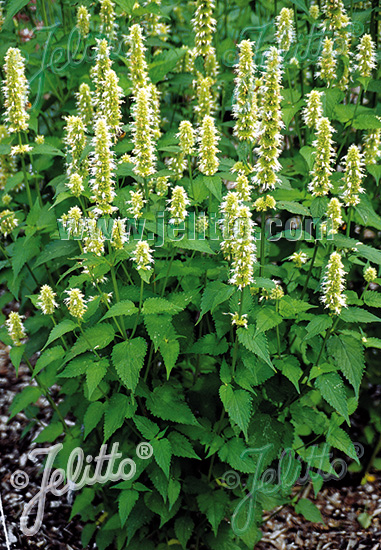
<point>319,324</point>
<point>256,343</point>
<point>126,307</point>
<point>118,408</point>
<point>57,249</point>
<point>78,366</point>
<point>339,439</point>
<point>164,63</point>
<point>209,344</point>
<point>215,293</point>
<point>13,7</point>
<point>146,427</point>
<point>15,356</point>
<point>184,527</point>
<point>358,315</point>
<point>213,504</point>
<point>128,359</point>
<point>159,305</point>
<point>290,307</point>
<point>214,184</point>
<point>349,355</point>
<point>50,433</point>
<point>95,374</point>
<point>48,357</point>
<point>290,368</point>
<point>375,170</point>
<point>94,338</point>
<point>332,389</point>
<point>293,207</point>
<point>237,403</point>
<point>181,446</point>
<point>267,318</point>
<point>29,395</point>
<point>372,299</point>
<point>259,370</point>
<point>126,501</point>
<point>170,351</point>
<point>65,326</point>
<point>45,149</point>
<point>366,122</point>
<point>93,416</point>
<point>174,488</point>
<point>168,403</point>
<point>308,510</point>
<point>162,452</point>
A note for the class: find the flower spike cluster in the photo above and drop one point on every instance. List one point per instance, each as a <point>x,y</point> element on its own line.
<point>313,111</point>
<point>83,21</point>
<point>15,327</point>
<point>85,103</point>
<point>15,89</point>
<point>119,234</point>
<point>204,26</point>
<point>333,285</point>
<point>245,108</point>
<point>186,137</point>
<point>46,300</point>
<point>8,222</point>
<point>178,205</point>
<point>336,17</point>
<point>110,104</point>
<point>143,256</point>
<point>353,176</point>
<point>108,25</point>
<point>99,71</point>
<point>208,139</point>
<point>366,56</point>
<point>144,153</point>
<point>372,146</point>
<point>285,34</point>
<point>270,125</point>
<point>102,169</point>
<point>324,157</point>
<point>75,141</point>
<point>136,57</point>
<point>75,303</point>
<point>334,215</point>
<point>327,62</point>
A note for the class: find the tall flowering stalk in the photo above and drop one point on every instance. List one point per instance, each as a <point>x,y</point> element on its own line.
<point>100,69</point>
<point>327,62</point>
<point>324,158</point>
<point>208,139</point>
<point>285,33</point>
<point>372,146</point>
<point>204,26</point>
<point>76,303</point>
<point>144,152</point>
<point>136,57</point>
<point>46,300</point>
<point>334,215</point>
<point>85,103</point>
<point>109,106</point>
<point>245,108</point>
<point>83,21</point>
<point>186,137</point>
<point>353,176</point>
<point>16,329</point>
<point>313,110</point>
<point>270,125</point>
<point>366,56</point>
<point>177,205</point>
<point>75,141</point>
<point>205,101</point>
<point>155,107</point>
<point>102,168</point>
<point>107,16</point>
<point>336,17</point>
<point>243,249</point>
<point>143,256</point>
<point>333,285</point>
<point>15,89</point>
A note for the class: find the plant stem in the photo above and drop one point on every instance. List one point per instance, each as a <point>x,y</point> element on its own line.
<point>25,176</point>
<point>262,249</point>
<point>310,270</point>
<point>277,331</point>
<point>348,232</point>
<point>117,296</point>
<point>168,270</point>
<point>140,308</point>
<point>235,351</point>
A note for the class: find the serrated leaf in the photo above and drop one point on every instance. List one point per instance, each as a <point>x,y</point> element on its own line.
<point>358,315</point>
<point>94,338</point>
<point>332,389</point>
<point>237,403</point>
<point>290,368</point>
<point>215,293</point>
<point>15,355</point>
<point>119,407</point>
<point>78,366</point>
<point>181,446</point>
<point>184,527</point>
<point>214,184</point>
<point>65,326</point>
<point>126,307</point>
<point>162,452</point>
<point>213,504</point>
<point>209,344</point>
<point>293,207</point>
<point>159,305</point>
<point>338,438</point>
<point>128,359</point>
<point>95,374</point>
<point>174,488</point>
<point>290,307</point>
<point>146,427</point>
<point>93,416</point>
<point>308,510</point>
<point>48,357</point>
<point>259,370</point>
<point>256,343</point>
<point>267,318</point>
<point>29,395</point>
<point>50,433</point>
<point>168,403</point>
<point>372,299</point>
<point>319,324</point>
<point>126,501</point>
<point>349,355</point>
<point>170,351</point>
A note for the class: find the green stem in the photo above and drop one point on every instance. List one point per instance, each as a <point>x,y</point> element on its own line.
<point>26,181</point>
<point>168,270</point>
<point>140,308</point>
<point>310,270</point>
<point>363,292</point>
<point>190,175</point>
<point>348,232</point>
<point>117,296</point>
<point>277,331</point>
<point>62,338</point>
<point>235,351</point>
<point>262,249</point>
